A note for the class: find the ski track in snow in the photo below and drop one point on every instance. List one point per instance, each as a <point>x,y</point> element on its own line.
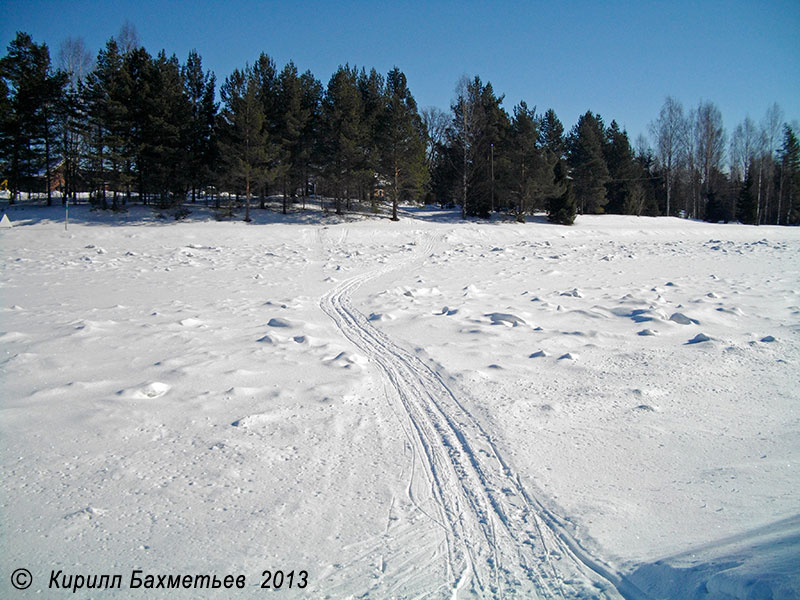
<point>499,541</point>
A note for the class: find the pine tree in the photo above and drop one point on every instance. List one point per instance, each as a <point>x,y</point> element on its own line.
<point>243,140</point>
<point>32,98</point>
<point>265,77</point>
<point>373,102</point>
<point>343,133</point>
<point>308,144</point>
<point>199,89</point>
<point>169,123</point>
<point>101,127</point>
<point>293,118</point>
<point>401,141</point>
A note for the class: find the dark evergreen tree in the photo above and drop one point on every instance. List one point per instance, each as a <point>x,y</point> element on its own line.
<point>562,206</point>
<point>265,76</point>
<point>746,204</point>
<point>526,159</point>
<point>32,97</point>
<point>624,189</point>
<point>169,122</point>
<point>373,102</point>
<point>479,133</point>
<point>401,142</point>
<point>243,135</point>
<point>588,166</point>
<point>551,135</point>
<point>308,144</point>
<point>789,181</point>
<point>343,133</point>
<point>199,89</point>
<point>716,208</point>
<point>651,182</point>
<point>100,127</point>
<point>139,65</point>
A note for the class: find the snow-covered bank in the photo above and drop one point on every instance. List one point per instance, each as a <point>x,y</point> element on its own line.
<point>181,398</point>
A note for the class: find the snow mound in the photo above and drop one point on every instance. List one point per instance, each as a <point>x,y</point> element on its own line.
<point>12,336</point>
<point>472,290</point>
<point>768,339</point>
<point>87,513</point>
<point>700,337</point>
<point>347,360</point>
<point>574,293</point>
<point>539,354</point>
<point>639,315</point>
<point>506,319</point>
<point>280,322</point>
<point>381,317</point>
<point>647,332</point>
<point>192,323</point>
<point>155,389</point>
<point>421,292</point>
<point>271,338</point>
<point>682,319</point>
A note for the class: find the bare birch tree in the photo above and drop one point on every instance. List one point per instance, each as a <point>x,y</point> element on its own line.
<point>668,131</point>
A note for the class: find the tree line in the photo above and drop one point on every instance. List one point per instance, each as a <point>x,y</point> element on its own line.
<point>128,126</point>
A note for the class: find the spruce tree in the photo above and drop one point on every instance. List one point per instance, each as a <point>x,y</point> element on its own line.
<point>588,166</point>
<point>789,190</point>
<point>562,206</point>
<point>551,134</point>
<point>624,189</point>
<point>746,204</point>
<point>525,158</point>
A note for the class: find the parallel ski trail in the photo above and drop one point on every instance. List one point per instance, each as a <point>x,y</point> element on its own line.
<point>500,541</point>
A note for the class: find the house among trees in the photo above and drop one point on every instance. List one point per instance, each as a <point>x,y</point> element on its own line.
<point>52,179</point>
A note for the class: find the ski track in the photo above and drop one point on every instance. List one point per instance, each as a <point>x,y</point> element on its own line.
<point>499,541</point>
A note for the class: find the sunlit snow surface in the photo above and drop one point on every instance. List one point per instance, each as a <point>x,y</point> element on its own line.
<point>421,409</point>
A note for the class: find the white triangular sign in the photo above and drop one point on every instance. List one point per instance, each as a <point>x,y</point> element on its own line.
<point>5,222</point>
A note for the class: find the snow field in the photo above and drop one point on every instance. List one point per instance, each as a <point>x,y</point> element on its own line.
<point>227,398</point>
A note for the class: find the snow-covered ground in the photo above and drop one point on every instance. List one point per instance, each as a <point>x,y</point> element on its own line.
<point>421,409</point>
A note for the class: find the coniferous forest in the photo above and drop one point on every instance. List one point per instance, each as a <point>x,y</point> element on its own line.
<point>131,127</point>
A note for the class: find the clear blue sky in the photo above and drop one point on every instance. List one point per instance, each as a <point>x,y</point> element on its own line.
<point>619,59</point>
